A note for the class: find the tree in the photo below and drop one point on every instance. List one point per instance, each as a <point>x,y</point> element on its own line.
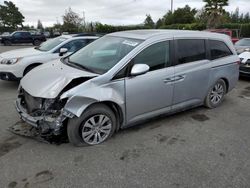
<point>235,15</point>
<point>247,18</point>
<point>72,22</point>
<point>10,16</point>
<point>168,18</point>
<point>202,16</point>
<point>149,21</point>
<point>180,16</point>
<point>159,23</point>
<point>215,10</point>
<point>39,25</point>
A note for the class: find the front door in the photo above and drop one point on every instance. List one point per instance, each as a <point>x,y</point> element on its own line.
<point>150,94</point>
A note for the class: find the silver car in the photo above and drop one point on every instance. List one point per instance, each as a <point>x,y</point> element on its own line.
<point>242,45</point>
<point>127,77</point>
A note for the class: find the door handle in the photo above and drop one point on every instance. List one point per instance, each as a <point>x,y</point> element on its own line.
<point>174,79</point>
<point>179,78</point>
<point>169,80</point>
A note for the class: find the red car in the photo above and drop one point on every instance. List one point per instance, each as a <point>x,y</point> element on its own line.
<point>234,34</point>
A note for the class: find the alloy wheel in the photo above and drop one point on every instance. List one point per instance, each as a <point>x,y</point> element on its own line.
<point>96,129</point>
<point>217,93</point>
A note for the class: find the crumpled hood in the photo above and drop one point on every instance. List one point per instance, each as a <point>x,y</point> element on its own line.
<point>48,80</point>
<point>20,53</point>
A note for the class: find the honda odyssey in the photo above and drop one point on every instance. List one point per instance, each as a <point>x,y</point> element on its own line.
<point>126,77</point>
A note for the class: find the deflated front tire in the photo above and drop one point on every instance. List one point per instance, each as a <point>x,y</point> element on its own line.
<point>96,125</point>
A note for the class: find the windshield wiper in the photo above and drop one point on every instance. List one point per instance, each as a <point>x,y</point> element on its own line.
<point>76,65</point>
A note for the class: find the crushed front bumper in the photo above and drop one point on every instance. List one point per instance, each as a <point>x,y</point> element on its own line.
<point>45,124</point>
<point>34,121</point>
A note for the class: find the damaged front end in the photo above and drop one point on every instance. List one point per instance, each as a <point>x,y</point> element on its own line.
<point>47,115</point>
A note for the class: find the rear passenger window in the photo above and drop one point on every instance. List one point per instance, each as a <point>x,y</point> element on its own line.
<point>155,56</point>
<point>190,50</point>
<point>218,49</point>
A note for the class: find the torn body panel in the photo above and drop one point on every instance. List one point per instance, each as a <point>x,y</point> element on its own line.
<point>85,95</point>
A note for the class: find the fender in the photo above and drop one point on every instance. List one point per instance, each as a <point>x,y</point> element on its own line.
<point>113,92</point>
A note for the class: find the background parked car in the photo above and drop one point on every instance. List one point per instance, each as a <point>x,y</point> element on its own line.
<point>21,37</point>
<point>56,34</point>
<point>17,63</point>
<point>233,34</point>
<point>46,34</point>
<point>5,34</point>
<point>245,64</point>
<point>242,45</point>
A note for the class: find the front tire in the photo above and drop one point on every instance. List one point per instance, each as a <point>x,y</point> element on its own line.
<point>93,127</point>
<point>216,94</point>
<point>7,43</point>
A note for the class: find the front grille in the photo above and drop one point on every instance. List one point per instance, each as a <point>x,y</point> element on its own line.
<point>245,68</point>
<point>32,103</point>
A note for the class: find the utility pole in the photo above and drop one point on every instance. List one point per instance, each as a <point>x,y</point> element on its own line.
<point>172,6</point>
<point>84,18</point>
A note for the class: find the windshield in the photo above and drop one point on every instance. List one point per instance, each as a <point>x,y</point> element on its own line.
<point>103,54</point>
<point>243,42</point>
<point>50,44</point>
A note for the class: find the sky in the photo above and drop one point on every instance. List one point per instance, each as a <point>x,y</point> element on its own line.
<point>116,12</point>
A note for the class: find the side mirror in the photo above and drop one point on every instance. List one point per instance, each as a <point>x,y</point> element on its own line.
<point>139,69</point>
<point>63,51</point>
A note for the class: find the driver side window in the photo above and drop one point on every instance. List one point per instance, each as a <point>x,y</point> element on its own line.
<point>74,45</point>
<point>17,35</point>
<point>155,56</point>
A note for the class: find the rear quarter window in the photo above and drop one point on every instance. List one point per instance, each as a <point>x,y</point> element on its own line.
<point>219,49</point>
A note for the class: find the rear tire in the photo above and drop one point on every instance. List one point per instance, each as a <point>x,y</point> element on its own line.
<point>216,94</point>
<point>96,125</point>
<point>37,42</point>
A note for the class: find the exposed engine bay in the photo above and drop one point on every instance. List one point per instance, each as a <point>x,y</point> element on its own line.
<point>46,115</point>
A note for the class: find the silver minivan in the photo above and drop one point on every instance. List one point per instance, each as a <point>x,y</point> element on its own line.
<point>124,78</point>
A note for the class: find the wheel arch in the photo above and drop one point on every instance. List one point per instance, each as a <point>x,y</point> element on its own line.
<point>226,82</point>
<point>79,106</point>
<point>116,108</point>
<point>31,65</point>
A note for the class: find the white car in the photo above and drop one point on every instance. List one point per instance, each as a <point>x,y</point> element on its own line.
<point>245,64</point>
<point>15,64</point>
